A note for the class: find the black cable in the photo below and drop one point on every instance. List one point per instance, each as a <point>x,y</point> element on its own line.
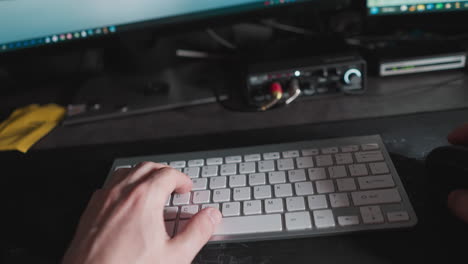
<point>245,109</point>
<point>220,40</point>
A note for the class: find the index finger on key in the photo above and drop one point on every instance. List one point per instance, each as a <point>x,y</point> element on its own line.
<point>167,180</point>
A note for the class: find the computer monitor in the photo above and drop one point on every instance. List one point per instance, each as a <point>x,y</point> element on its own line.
<point>400,7</point>
<point>31,23</point>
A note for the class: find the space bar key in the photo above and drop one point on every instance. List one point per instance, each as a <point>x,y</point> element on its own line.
<point>249,225</point>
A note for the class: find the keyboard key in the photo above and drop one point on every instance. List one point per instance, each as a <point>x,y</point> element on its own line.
<point>348,220</point>
<point>326,186</point>
<point>371,215</point>
<point>369,156</point>
<point>257,179</point>
<point>277,177</point>
<point>201,197</point>
<point>338,200</point>
<point>228,169</point>
<point>290,154</point>
<point>376,182</point>
<point>317,202</point>
<point>181,225</point>
<point>337,172</point>
<point>324,219</point>
<point>310,152</point>
<point>370,146</point>
<point>196,163</point>
<point>188,211</point>
<point>350,148</point>
<point>170,227</point>
<point>298,221</point>
<point>344,158</point>
<point>304,188</point>
<point>209,171</point>
<point>304,162</point>
<point>271,156</point>
<point>213,205</point>
<point>214,161</point>
<point>218,182</point>
<point>283,190</point>
<point>252,157</point>
<point>192,172</point>
<point>242,194</point>
<point>346,185</point>
<point>177,164</point>
<point>252,207</point>
<point>199,184</point>
<point>237,181</point>
<point>250,224</point>
<point>376,197</point>
<point>266,166</point>
<point>274,206</point>
<point>379,168</point>
<point>324,160</point>
<point>231,209</point>
<point>297,175</point>
<point>168,202</point>
<point>247,167</point>
<point>222,195</point>
<point>401,216</point>
<point>295,204</point>
<point>123,167</point>
<point>285,164</point>
<point>234,159</point>
<point>331,150</point>
<point>358,170</point>
<point>317,174</point>
<point>262,192</point>
<point>181,199</point>
<point>170,213</point>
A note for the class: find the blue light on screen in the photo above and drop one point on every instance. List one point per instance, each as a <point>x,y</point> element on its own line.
<point>33,19</point>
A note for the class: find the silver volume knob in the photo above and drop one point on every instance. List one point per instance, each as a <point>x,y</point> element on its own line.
<point>352,76</point>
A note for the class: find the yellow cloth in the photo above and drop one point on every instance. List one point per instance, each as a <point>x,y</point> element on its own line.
<point>28,125</point>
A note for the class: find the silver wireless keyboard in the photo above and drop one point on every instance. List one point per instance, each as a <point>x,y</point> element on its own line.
<point>292,190</point>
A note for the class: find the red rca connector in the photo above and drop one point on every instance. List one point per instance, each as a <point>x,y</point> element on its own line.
<point>276,91</point>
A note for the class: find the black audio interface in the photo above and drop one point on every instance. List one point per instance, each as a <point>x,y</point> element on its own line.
<point>314,76</point>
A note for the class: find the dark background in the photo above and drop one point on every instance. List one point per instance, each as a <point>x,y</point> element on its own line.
<point>46,190</point>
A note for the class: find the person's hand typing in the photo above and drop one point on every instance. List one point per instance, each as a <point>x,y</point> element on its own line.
<point>124,223</point>
<point>458,199</point>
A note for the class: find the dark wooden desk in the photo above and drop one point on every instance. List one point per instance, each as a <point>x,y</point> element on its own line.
<point>46,191</point>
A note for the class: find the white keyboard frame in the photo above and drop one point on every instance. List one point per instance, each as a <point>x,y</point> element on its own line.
<point>404,205</point>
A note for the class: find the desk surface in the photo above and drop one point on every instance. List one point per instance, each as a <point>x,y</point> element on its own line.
<point>48,188</point>
<point>393,96</point>
<point>44,212</point>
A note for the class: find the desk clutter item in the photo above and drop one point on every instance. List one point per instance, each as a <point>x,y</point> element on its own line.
<point>28,125</point>
<point>291,190</point>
